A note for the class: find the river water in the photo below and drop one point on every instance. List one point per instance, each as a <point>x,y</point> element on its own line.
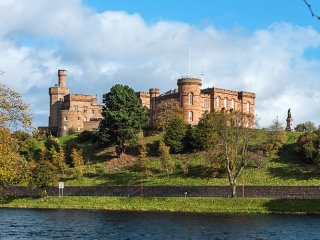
<point>97,224</point>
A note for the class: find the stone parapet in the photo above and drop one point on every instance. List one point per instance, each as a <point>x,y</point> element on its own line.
<point>292,192</point>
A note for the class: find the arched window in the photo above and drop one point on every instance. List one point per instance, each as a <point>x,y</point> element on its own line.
<point>190,98</point>
<point>248,107</point>
<point>232,103</point>
<point>218,102</point>
<point>190,116</point>
<point>225,103</point>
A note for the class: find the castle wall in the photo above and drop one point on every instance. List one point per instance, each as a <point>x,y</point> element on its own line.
<point>82,112</point>
<point>144,98</point>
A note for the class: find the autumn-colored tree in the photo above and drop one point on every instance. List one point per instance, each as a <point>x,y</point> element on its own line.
<point>165,157</point>
<point>10,164</point>
<point>144,161</point>
<point>77,162</point>
<point>165,112</point>
<point>227,136</point>
<point>58,160</point>
<point>14,113</point>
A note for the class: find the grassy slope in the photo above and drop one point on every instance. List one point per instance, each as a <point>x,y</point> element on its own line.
<point>285,170</point>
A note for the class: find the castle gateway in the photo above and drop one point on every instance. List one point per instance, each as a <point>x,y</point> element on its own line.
<point>82,112</point>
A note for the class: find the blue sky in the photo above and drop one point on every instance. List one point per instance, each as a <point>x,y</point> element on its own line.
<point>269,47</point>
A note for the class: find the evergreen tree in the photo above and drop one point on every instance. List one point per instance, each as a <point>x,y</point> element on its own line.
<point>124,117</point>
<point>175,135</point>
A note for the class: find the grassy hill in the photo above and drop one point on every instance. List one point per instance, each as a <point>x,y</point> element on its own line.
<point>104,168</point>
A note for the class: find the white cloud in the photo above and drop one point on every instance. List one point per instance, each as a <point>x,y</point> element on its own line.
<point>99,50</point>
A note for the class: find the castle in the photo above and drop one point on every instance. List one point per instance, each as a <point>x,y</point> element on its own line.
<point>82,112</point>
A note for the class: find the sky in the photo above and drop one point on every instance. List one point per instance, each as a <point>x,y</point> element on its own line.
<point>268,47</point>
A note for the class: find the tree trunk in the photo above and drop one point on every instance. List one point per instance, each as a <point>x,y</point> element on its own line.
<point>120,150</point>
<point>233,189</point>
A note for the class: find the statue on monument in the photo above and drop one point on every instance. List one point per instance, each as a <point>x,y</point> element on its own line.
<point>289,113</point>
<point>289,121</point>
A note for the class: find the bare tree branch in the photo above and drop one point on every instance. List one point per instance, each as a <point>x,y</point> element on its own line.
<point>312,13</point>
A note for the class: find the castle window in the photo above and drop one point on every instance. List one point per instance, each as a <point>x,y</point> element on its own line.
<point>99,112</point>
<point>225,103</point>
<point>65,127</point>
<point>92,111</point>
<point>78,128</point>
<point>61,100</point>
<point>232,103</point>
<point>66,118</point>
<point>190,98</point>
<point>75,107</point>
<point>78,118</point>
<point>190,116</point>
<point>84,119</point>
<point>206,103</point>
<point>218,102</point>
<point>248,107</point>
<point>85,109</point>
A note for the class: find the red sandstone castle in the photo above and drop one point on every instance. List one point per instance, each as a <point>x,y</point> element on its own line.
<point>82,112</point>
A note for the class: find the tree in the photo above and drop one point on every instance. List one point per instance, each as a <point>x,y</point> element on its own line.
<point>166,161</point>
<point>14,113</point>
<point>276,138</point>
<point>124,117</point>
<point>310,126</point>
<point>44,175</point>
<point>58,160</point>
<point>176,134</point>
<point>11,164</point>
<point>306,127</point>
<point>77,162</point>
<point>143,161</point>
<point>307,147</point>
<point>228,137</point>
<point>165,112</point>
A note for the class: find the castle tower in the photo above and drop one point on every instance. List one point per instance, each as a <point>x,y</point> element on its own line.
<point>154,93</point>
<point>190,100</point>
<point>57,94</point>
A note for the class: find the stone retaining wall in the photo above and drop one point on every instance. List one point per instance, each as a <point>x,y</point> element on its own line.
<point>175,191</point>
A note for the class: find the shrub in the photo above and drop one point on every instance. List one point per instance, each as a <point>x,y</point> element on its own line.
<point>85,136</point>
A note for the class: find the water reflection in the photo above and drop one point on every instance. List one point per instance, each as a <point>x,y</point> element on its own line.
<point>94,224</point>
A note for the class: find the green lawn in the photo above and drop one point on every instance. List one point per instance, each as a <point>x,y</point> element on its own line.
<point>204,205</point>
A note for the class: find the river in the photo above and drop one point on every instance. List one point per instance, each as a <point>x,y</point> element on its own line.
<point>98,224</point>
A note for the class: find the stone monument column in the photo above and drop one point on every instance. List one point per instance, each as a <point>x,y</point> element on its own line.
<point>289,122</point>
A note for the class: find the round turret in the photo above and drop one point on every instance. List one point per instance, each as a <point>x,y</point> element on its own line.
<point>62,74</point>
<point>190,89</point>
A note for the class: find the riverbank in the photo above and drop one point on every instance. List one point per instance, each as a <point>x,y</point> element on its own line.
<point>203,205</point>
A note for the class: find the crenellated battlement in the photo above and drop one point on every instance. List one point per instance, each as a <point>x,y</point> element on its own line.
<point>247,94</point>
<point>221,90</point>
<point>189,80</point>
